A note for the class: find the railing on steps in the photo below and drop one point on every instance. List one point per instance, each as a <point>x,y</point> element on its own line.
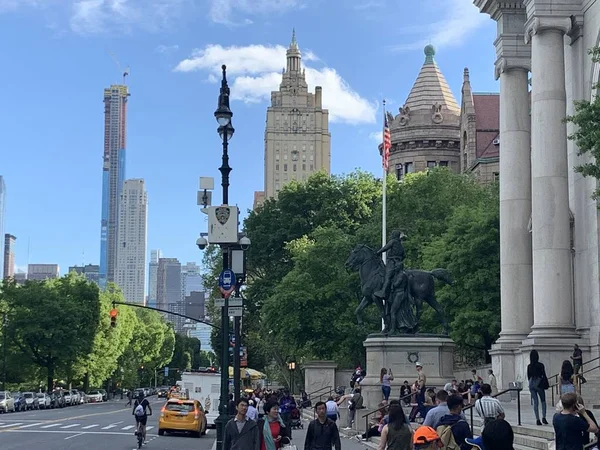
<point>516,389</point>
<point>578,380</point>
<point>328,389</point>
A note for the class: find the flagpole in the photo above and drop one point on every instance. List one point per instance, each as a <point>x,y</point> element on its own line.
<point>384,198</point>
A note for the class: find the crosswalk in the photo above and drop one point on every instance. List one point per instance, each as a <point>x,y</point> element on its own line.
<point>43,426</point>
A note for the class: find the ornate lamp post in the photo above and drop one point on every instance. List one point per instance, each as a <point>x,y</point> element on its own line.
<point>223,115</point>
<point>292,368</point>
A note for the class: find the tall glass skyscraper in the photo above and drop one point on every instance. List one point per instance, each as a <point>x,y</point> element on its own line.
<point>113,176</point>
<point>2,213</point>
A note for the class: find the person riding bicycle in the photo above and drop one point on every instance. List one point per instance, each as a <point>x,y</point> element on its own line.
<point>141,417</point>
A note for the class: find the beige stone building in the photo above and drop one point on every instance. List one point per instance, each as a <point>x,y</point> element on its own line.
<point>432,130</point>
<point>297,138</point>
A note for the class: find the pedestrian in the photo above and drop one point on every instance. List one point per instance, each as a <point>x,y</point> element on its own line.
<point>129,398</point>
<point>577,359</point>
<point>333,412</point>
<point>487,407</point>
<point>538,383</point>
<point>397,434</point>
<point>356,402</point>
<point>493,382</point>
<point>322,433</point>
<point>241,433</point>
<point>385,379</point>
<point>252,411</point>
<point>272,429</point>
<point>571,423</point>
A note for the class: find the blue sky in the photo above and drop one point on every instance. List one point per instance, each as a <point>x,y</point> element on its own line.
<point>57,60</point>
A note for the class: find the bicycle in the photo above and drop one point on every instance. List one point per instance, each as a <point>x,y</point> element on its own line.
<point>141,432</point>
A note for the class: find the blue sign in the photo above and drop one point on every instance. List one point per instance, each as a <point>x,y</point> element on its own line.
<point>227,279</point>
<point>166,371</point>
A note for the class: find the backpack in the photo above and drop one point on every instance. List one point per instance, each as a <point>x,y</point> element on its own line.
<point>139,410</point>
<point>446,436</point>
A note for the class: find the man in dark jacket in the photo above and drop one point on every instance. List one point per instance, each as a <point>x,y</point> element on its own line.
<point>459,426</point>
<point>241,433</point>
<point>322,433</point>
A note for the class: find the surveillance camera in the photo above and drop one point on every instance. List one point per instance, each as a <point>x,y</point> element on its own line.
<point>201,242</point>
<point>245,243</point>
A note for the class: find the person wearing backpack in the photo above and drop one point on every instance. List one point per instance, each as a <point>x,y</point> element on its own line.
<point>453,429</point>
<point>141,416</point>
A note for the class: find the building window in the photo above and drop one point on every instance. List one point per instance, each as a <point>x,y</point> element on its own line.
<point>311,167</point>
<point>443,163</point>
<point>312,157</point>
<point>303,167</point>
<point>277,157</point>
<point>295,167</point>
<point>285,157</point>
<point>408,168</point>
<point>399,171</point>
<point>276,186</point>
<point>431,164</point>
<point>285,167</point>
<point>276,166</point>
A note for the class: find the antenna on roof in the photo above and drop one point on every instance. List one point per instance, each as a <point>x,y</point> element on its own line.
<point>124,72</point>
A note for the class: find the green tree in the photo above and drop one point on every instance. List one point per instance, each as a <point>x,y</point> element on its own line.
<point>587,134</point>
<point>53,322</point>
<point>470,249</point>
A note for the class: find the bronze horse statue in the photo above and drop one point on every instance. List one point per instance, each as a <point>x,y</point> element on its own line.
<point>421,288</point>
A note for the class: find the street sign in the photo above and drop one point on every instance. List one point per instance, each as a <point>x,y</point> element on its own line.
<point>233,301</point>
<point>166,371</point>
<point>235,311</point>
<point>227,282</point>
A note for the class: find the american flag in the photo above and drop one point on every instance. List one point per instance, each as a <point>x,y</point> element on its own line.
<point>387,143</point>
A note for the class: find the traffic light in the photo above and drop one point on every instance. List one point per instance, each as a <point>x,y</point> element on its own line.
<point>113,317</point>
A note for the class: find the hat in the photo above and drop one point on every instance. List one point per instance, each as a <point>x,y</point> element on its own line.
<point>418,364</point>
<point>251,402</point>
<point>475,442</point>
<point>425,435</point>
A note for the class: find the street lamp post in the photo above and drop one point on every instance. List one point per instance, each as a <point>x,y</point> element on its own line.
<point>223,115</point>
<point>292,368</point>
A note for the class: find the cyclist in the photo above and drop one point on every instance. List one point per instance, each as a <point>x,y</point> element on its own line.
<point>141,416</point>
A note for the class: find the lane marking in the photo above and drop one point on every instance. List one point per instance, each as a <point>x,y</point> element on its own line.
<point>73,436</point>
<point>52,425</point>
<point>11,425</point>
<point>31,425</point>
<point>128,427</point>
<point>108,427</point>
<point>73,425</point>
<point>149,427</point>
<point>90,426</point>
<point>111,433</point>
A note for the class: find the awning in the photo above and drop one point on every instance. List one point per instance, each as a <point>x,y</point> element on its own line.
<point>246,373</point>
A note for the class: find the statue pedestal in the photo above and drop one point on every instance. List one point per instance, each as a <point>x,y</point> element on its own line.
<point>400,353</point>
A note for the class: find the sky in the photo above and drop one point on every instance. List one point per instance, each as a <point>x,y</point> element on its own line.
<point>59,55</point>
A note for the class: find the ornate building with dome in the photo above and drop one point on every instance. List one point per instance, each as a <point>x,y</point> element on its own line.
<point>432,130</point>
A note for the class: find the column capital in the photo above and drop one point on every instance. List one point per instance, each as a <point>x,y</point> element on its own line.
<point>497,8</point>
<point>504,64</point>
<point>538,24</point>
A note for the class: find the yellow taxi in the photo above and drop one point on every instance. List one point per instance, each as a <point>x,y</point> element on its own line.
<point>180,415</point>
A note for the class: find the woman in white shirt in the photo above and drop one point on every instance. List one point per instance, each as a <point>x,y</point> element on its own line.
<point>333,412</point>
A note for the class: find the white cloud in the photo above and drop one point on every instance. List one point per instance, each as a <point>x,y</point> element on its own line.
<point>225,11</point>
<point>457,20</point>
<point>376,136</point>
<point>166,49</point>
<point>255,71</point>
<point>368,5</point>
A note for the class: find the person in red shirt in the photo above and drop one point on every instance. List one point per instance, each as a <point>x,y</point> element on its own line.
<point>272,429</point>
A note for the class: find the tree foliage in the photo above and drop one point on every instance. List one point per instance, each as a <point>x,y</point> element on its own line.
<point>586,118</point>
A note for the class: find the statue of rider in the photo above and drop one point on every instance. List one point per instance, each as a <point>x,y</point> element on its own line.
<point>394,262</point>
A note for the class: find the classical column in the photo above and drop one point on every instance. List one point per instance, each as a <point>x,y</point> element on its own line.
<point>552,279</point>
<point>516,283</point>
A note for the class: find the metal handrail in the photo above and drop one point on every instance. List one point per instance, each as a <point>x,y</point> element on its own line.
<point>518,390</point>
<point>319,390</point>
<point>582,364</point>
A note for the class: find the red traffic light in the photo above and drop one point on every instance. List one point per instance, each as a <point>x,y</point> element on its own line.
<point>113,312</point>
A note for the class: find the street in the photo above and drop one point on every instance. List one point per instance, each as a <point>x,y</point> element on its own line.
<point>92,426</point>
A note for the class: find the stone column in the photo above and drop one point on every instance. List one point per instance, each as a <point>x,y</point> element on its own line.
<point>516,282</point>
<point>552,279</point>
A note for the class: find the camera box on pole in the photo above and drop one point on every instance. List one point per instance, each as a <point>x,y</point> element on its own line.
<point>223,224</point>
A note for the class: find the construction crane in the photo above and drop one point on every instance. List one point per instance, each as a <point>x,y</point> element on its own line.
<point>125,72</point>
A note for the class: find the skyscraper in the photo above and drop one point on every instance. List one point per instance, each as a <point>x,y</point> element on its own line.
<point>42,272</point>
<point>297,138</point>
<point>9,256</point>
<point>152,277</point>
<point>168,283</point>
<point>2,213</point>
<point>90,271</point>
<point>131,238</point>
<point>113,176</point>
<point>191,279</point>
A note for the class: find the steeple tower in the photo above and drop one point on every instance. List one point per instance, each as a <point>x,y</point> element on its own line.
<point>293,55</point>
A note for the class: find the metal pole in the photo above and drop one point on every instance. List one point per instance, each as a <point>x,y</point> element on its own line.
<point>237,370</point>
<point>4,352</point>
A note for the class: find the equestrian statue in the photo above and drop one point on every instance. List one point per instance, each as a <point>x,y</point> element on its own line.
<point>398,293</point>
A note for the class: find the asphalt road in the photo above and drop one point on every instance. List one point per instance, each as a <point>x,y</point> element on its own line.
<point>91,427</point>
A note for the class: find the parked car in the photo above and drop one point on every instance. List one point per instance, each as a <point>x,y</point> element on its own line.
<point>94,396</point>
<point>31,401</point>
<point>44,400</point>
<point>82,398</point>
<point>104,394</point>
<point>7,402</point>
<point>58,399</point>
<point>75,397</point>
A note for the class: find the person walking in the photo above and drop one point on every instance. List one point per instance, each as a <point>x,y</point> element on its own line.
<point>129,398</point>
<point>241,433</point>
<point>492,382</point>
<point>571,423</point>
<point>538,383</point>
<point>272,429</point>
<point>322,433</point>
<point>565,382</point>
<point>333,411</point>
<point>397,434</point>
<point>487,407</point>
<point>385,378</point>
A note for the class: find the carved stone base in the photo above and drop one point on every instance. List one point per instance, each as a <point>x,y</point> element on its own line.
<point>400,353</point>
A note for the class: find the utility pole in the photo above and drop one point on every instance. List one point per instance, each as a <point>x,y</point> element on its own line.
<point>4,322</point>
